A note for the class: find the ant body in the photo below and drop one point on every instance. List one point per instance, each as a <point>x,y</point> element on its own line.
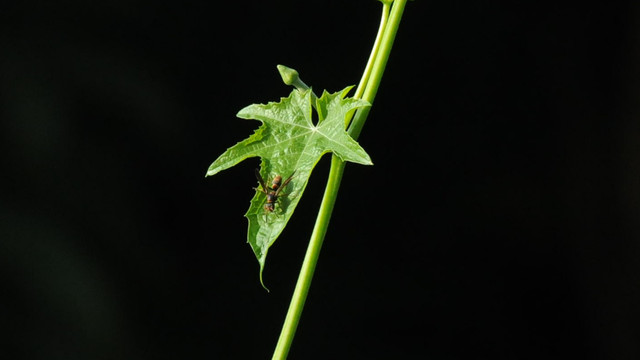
<point>272,192</point>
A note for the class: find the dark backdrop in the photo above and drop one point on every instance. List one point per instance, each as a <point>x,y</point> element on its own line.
<point>500,220</point>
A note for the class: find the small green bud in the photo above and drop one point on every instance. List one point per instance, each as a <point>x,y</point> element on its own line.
<point>288,74</point>
<point>291,77</point>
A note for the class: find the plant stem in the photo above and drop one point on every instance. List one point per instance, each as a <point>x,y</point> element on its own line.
<point>379,64</point>
<point>367,88</point>
<point>309,264</point>
<point>374,51</point>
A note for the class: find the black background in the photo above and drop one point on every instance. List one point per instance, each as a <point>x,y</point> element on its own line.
<point>500,220</point>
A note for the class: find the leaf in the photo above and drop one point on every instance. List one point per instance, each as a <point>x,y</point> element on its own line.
<point>288,141</point>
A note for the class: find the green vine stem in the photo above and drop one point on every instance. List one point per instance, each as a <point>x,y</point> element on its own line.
<point>367,89</point>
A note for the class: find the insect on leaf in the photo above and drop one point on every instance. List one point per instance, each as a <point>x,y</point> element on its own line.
<point>288,141</point>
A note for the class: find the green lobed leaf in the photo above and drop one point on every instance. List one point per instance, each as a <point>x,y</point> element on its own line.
<point>288,141</point>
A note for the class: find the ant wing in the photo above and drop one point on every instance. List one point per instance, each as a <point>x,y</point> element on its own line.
<point>284,184</point>
<point>260,180</point>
